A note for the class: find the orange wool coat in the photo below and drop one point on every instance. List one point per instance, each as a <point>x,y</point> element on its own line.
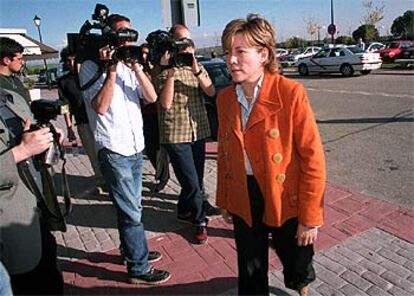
<point>283,144</point>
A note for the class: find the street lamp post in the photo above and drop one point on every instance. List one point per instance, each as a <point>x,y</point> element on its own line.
<point>333,24</point>
<point>37,21</point>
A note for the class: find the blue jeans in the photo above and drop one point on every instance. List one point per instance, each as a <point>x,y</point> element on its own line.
<point>123,175</point>
<point>187,160</point>
<point>5,287</point>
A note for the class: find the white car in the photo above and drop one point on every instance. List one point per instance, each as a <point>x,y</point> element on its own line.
<point>340,59</point>
<point>281,52</point>
<point>374,46</point>
<point>292,58</point>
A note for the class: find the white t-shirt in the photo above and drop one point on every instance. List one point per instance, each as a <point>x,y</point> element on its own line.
<point>120,128</point>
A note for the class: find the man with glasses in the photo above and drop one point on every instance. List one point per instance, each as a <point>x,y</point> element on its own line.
<point>113,108</point>
<point>11,65</point>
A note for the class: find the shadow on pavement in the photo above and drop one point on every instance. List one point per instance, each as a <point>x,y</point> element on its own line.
<point>208,287</point>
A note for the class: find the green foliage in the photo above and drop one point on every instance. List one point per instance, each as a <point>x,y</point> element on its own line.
<point>403,26</point>
<point>368,33</point>
<point>344,40</point>
<point>294,42</point>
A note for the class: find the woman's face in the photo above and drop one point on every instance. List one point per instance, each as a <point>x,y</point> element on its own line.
<point>246,63</point>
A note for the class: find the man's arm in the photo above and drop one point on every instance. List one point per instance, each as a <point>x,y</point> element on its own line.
<point>103,99</point>
<point>203,79</point>
<point>167,92</point>
<point>147,87</point>
<point>68,115</point>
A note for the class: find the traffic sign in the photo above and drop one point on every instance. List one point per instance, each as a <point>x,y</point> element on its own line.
<point>332,29</point>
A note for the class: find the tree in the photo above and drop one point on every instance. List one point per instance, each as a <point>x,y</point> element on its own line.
<point>313,27</point>
<point>403,26</point>
<point>366,32</point>
<point>375,13</point>
<point>344,40</point>
<point>294,42</point>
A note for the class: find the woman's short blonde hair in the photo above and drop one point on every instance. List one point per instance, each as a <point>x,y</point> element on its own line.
<point>258,33</point>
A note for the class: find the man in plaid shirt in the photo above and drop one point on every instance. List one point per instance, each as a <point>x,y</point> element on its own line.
<point>184,128</point>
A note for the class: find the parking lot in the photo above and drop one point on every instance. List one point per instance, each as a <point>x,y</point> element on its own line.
<point>366,123</point>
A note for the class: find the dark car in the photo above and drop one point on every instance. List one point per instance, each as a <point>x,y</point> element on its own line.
<point>52,73</point>
<point>221,78</point>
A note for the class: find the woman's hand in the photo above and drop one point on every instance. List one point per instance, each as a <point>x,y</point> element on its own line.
<point>227,216</point>
<point>306,235</point>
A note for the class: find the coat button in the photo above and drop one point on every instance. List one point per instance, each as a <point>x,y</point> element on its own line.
<point>274,133</point>
<point>294,197</point>
<point>280,178</point>
<point>277,157</point>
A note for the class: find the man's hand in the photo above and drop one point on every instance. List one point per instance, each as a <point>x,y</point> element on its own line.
<point>165,59</point>
<point>136,67</point>
<point>306,235</point>
<point>227,216</point>
<point>32,143</point>
<point>106,52</point>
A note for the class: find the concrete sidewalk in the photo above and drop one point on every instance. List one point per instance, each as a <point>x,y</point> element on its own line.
<point>366,246</point>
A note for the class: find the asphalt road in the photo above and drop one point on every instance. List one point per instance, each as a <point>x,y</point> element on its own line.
<point>367,126</point>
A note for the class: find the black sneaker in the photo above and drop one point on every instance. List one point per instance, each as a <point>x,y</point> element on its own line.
<point>210,210</point>
<point>151,277</point>
<point>154,256</point>
<point>201,235</point>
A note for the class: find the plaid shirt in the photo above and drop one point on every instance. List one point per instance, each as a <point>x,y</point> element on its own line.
<point>186,120</point>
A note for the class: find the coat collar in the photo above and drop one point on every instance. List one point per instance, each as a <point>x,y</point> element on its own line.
<point>267,103</point>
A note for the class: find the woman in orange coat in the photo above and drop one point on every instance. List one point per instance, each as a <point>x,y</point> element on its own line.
<point>271,166</point>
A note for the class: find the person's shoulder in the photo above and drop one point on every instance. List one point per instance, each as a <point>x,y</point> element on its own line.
<point>224,94</point>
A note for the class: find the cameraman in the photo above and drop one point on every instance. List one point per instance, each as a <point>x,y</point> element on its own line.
<point>69,91</point>
<point>27,248</point>
<point>114,113</point>
<point>184,128</point>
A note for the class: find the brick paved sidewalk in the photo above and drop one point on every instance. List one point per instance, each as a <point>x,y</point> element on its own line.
<point>365,247</point>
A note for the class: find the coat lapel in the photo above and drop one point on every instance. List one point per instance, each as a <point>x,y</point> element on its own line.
<point>268,101</point>
<point>233,115</point>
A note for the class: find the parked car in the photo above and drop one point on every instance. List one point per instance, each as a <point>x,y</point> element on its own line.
<point>340,59</point>
<point>220,76</point>
<point>52,74</point>
<point>406,57</point>
<point>374,46</point>
<point>281,52</point>
<point>292,58</point>
<point>407,53</point>
<point>393,50</point>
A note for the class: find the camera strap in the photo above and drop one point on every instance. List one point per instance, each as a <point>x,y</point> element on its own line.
<point>95,77</point>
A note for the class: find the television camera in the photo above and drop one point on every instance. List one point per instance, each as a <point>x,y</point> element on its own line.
<point>86,44</point>
<point>161,41</point>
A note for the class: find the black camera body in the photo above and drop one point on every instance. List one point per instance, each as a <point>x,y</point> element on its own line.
<point>86,44</point>
<point>43,112</point>
<point>161,41</point>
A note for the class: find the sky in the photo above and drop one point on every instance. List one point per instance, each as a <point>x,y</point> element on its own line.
<point>287,16</point>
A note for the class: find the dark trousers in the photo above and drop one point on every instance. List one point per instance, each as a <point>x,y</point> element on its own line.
<point>187,160</point>
<point>156,154</point>
<point>45,278</point>
<point>253,250</point>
